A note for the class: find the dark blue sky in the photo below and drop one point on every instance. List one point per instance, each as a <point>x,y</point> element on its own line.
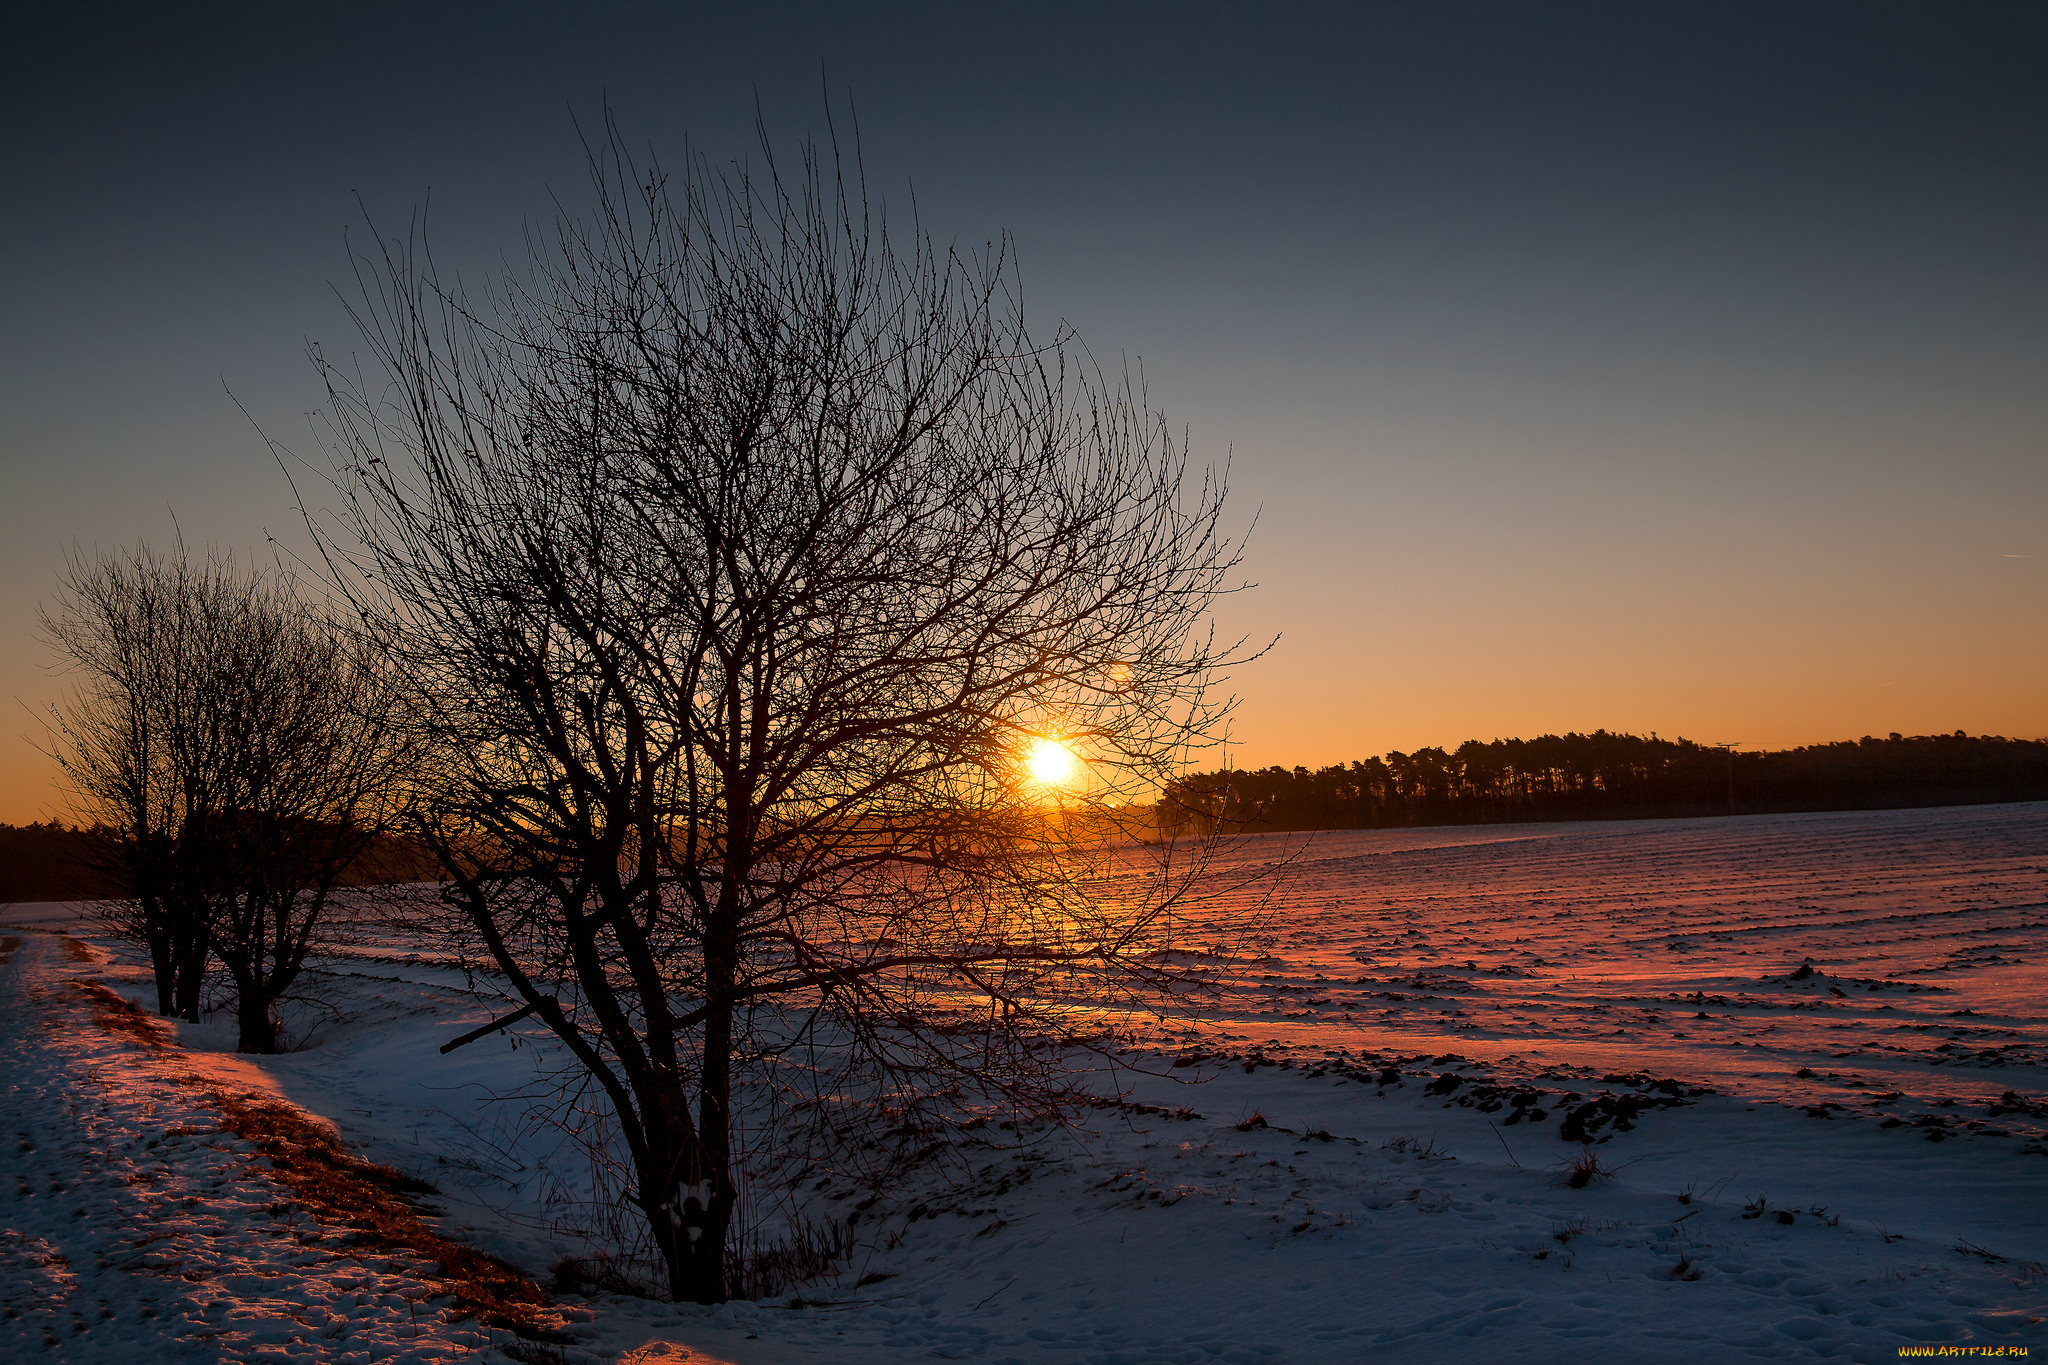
<point>1675,367</point>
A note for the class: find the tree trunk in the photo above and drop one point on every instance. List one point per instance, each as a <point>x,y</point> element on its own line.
<point>689,1230</point>
<point>256,1030</point>
<point>688,1188</point>
<point>162,962</point>
<point>714,1132</point>
<point>189,955</point>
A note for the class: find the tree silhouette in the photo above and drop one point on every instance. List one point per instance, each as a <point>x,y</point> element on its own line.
<point>235,752</point>
<point>739,550</point>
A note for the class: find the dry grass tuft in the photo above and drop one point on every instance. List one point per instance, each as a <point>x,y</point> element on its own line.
<point>77,951</point>
<point>1587,1169</point>
<point>809,1250</point>
<point>1422,1149</point>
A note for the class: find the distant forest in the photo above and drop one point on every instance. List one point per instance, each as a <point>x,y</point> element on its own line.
<point>1604,776</point>
<point>50,862</point>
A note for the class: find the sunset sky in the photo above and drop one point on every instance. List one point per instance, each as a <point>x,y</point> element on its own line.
<point>1658,367</point>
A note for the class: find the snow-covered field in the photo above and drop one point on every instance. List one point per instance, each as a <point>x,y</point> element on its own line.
<point>1673,947</point>
<point>1367,1162</point>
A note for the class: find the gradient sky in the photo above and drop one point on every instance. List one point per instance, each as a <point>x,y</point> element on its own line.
<point>1658,367</point>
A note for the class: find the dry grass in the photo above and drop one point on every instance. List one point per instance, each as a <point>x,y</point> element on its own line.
<point>809,1250</point>
<point>1422,1149</point>
<point>1587,1169</point>
<point>117,1014</point>
<point>343,1190</point>
<point>603,1272</point>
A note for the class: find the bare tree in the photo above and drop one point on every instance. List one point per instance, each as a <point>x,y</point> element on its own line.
<point>145,760</point>
<point>742,560</point>
<point>237,749</point>
<point>322,772</point>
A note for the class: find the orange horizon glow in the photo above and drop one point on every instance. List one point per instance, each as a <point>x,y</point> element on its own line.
<point>32,790</point>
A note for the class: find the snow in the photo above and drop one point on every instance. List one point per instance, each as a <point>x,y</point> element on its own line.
<point>1295,1209</point>
<point>135,1229</point>
<point>1670,946</point>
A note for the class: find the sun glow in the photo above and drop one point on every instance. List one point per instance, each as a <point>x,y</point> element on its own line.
<point>1051,762</point>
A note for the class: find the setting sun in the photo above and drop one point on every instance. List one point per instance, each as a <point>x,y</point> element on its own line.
<point>1051,762</point>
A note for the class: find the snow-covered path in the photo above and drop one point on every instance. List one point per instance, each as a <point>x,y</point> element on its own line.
<point>133,1229</point>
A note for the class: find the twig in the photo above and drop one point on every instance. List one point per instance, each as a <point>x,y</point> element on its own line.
<point>514,1017</point>
<point>1504,1144</point>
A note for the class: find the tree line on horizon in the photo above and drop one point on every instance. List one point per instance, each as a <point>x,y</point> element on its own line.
<point>1608,776</point>
<point>47,860</point>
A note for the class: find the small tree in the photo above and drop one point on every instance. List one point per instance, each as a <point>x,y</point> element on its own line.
<point>145,758</point>
<point>742,561</point>
<point>322,766</point>
<point>237,750</point>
